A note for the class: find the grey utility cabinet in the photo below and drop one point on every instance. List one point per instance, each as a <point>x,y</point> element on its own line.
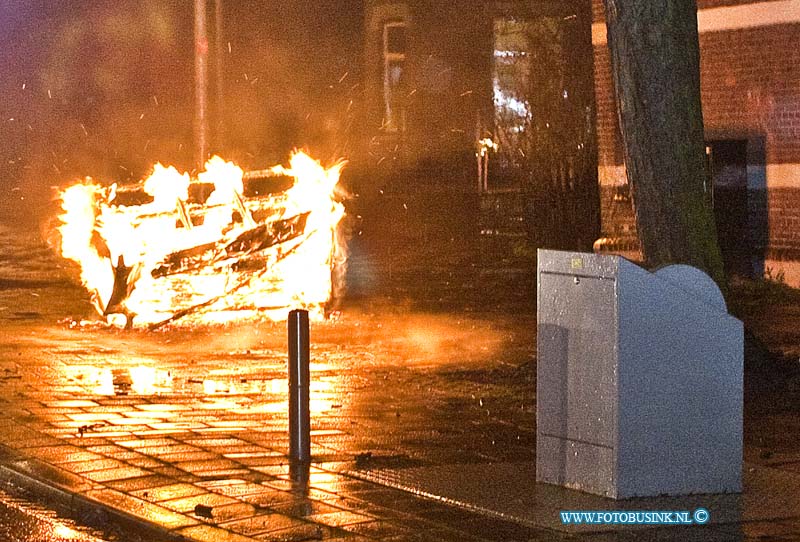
<point>639,379</point>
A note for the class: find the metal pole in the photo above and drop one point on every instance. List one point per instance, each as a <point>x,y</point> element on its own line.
<point>201,82</point>
<point>219,139</point>
<point>299,384</point>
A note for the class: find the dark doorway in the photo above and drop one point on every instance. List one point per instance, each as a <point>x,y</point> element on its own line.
<point>729,175</point>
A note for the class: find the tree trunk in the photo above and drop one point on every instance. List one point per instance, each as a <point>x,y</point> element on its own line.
<point>655,57</point>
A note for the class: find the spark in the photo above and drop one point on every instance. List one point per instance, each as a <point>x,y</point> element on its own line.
<point>465,93</point>
<point>155,100</point>
<point>49,94</point>
<point>23,86</point>
<point>343,77</point>
<point>84,130</point>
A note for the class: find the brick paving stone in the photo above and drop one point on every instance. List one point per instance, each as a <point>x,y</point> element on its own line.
<point>174,473</point>
<point>145,510</point>
<point>61,454</point>
<point>300,533</point>
<point>232,512</point>
<point>149,481</point>
<point>216,442</point>
<point>132,424</point>
<point>264,523</point>
<point>378,529</point>
<point>144,462</point>
<point>71,403</point>
<point>115,474</point>
<point>158,450</point>
<point>209,533</point>
<point>234,487</point>
<point>340,518</point>
<point>93,416</point>
<point>303,507</point>
<point>79,467</point>
<point>216,474</point>
<point>148,444</point>
<point>272,499</point>
<point>33,442</point>
<point>188,504</point>
<point>186,457</point>
<point>168,492</point>
<point>154,415</point>
<point>176,427</point>
<point>162,407</point>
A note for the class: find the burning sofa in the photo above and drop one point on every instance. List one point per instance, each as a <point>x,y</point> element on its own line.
<point>226,246</point>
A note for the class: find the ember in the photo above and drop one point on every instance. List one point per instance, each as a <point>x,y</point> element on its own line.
<point>171,256</point>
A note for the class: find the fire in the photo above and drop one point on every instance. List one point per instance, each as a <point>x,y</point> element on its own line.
<point>229,257</point>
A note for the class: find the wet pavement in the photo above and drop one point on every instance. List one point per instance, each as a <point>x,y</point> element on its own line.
<point>24,521</point>
<point>423,419</point>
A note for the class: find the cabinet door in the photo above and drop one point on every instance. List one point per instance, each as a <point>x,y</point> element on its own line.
<point>576,358</point>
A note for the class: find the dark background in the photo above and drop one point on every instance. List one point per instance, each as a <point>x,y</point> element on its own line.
<point>105,88</point>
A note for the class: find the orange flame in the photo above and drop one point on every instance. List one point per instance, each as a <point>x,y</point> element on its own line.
<point>225,259</point>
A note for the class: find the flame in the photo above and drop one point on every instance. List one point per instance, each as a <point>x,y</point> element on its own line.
<point>225,259</point>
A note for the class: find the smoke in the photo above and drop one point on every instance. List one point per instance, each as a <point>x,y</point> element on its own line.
<point>106,90</point>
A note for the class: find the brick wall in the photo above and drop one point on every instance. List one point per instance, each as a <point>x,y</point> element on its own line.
<point>609,150</point>
<point>751,87</point>
<point>777,218</point>
<point>750,84</point>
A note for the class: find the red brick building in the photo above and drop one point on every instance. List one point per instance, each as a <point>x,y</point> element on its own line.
<point>750,79</point>
<point>447,80</point>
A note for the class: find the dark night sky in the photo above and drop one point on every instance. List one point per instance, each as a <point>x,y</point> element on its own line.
<point>105,87</point>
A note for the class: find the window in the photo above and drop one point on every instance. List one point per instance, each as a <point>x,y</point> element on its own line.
<point>394,66</point>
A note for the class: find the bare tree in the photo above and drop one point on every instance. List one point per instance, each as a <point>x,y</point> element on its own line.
<point>655,56</point>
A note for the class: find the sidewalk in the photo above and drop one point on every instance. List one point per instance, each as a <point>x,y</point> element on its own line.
<point>423,429</point>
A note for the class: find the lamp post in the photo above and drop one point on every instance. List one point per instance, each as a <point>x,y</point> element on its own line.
<point>201,82</point>
<point>219,137</point>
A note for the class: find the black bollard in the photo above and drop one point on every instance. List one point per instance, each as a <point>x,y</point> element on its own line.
<point>299,384</point>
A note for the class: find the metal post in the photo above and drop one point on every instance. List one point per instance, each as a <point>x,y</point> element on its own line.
<point>219,139</point>
<point>299,384</point>
<point>201,82</point>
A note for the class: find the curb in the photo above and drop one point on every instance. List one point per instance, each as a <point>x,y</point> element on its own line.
<point>86,510</point>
